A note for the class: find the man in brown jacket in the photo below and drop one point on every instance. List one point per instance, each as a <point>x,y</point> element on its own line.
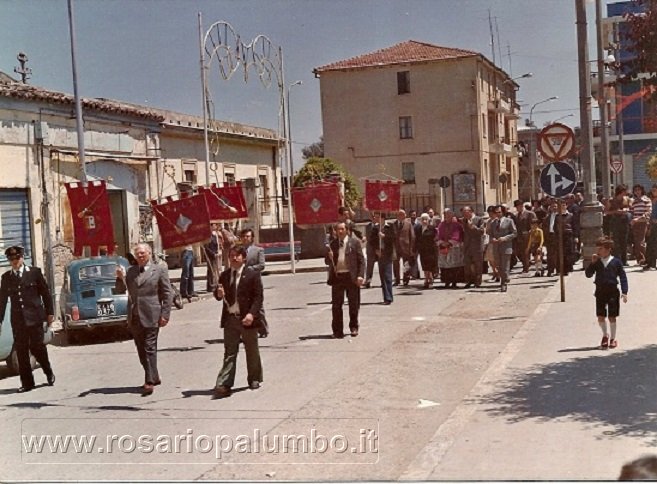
<point>404,246</point>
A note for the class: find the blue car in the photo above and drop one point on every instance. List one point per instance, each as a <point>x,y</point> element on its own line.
<point>88,298</point>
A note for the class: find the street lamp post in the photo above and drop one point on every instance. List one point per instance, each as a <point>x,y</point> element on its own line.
<point>532,151</point>
<point>289,177</point>
<point>562,117</point>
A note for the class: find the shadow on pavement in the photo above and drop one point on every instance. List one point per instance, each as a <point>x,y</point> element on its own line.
<point>316,336</point>
<point>614,388</point>
<point>181,348</point>
<point>214,341</point>
<point>111,391</point>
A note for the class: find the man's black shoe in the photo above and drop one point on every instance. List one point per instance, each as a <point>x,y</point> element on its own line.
<point>51,379</point>
<point>25,389</point>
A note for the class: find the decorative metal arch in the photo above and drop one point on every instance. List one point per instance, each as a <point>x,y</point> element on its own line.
<point>222,45</point>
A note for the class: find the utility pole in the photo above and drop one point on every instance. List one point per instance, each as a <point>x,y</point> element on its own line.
<point>602,105</point>
<point>591,214</point>
<point>78,101</point>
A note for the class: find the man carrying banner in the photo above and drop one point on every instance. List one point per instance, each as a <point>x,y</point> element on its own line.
<point>255,258</point>
<point>346,275</point>
<point>240,289</point>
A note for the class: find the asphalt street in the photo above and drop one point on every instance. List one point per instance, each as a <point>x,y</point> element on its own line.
<point>442,384</point>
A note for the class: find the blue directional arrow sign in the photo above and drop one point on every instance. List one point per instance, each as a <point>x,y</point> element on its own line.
<point>558,179</point>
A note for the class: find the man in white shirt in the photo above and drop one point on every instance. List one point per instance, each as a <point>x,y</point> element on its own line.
<point>240,289</point>
<point>346,275</point>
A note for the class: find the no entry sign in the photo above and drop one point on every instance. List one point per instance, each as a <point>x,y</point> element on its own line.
<point>556,141</point>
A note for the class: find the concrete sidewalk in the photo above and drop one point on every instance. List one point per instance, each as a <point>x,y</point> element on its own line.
<point>553,405</point>
<point>271,267</point>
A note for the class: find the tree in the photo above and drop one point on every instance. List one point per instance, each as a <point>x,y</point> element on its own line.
<point>319,169</point>
<point>641,38</point>
<point>315,150</point>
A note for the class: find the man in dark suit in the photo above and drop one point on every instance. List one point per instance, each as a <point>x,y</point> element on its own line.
<point>149,308</point>
<point>255,258</point>
<point>346,275</point>
<point>31,305</point>
<point>240,289</point>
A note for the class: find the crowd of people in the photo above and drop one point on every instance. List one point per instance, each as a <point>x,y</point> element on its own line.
<point>458,248</point>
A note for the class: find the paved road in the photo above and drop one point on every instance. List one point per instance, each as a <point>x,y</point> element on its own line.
<point>424,376</point>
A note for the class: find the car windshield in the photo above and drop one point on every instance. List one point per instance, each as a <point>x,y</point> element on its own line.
<point>103,271</point>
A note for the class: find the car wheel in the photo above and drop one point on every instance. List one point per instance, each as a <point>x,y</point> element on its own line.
<point>178,301</point>
<point>12,362</point>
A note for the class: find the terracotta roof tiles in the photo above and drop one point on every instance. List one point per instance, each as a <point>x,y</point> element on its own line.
<point>27,92</point>
<point>402,53</point>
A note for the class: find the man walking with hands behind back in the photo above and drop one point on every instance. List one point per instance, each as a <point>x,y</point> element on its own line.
<point>240,289</point>
<point>31,304</point>
<point>346,275</point>
<point>149,308</point>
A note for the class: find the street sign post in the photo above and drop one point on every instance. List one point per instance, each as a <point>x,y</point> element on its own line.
<point>556,141</point>
<point>616,165</point>
<point>558,179</point>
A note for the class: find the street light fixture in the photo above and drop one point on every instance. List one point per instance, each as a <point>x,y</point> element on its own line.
<point>562,117</point>
<point>531,111</point>
<point>524,76</point>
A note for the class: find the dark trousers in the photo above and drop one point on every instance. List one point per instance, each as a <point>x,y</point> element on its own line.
<point>29,339</point>
<point>385,274</point>
<point>371,260</point>
<point>343,284</point>
<point>651,247</point>
<point>473,264</point>
<point>520,249</point>
<point>146,343</point>
<point>234,333</point>
<point>619,230</point>
<point>187,276</point>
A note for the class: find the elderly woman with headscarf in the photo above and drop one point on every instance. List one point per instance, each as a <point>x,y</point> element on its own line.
<point>449,240</point>
<point>425,236</point>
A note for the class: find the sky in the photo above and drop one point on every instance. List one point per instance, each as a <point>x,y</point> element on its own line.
<point>147,51</point>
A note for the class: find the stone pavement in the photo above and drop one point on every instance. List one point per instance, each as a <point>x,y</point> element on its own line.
<point>553,405</point>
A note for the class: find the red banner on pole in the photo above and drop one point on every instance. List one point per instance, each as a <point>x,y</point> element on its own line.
<point>225,203</point>
<point>316,204</point>
<point>182,222</point>
<point>383,195</point>
<point>92,218</point>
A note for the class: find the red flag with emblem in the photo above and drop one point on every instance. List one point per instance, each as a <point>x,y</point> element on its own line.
<point>182,222</point>
<point>92,218</point>
<point>383,195</point>
<point>225,203</point>
<point>316,204</point>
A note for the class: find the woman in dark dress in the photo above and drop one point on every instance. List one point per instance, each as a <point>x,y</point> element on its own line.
<point>425,235</point>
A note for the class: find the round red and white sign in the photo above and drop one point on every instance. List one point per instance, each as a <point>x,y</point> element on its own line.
<point>556,142</point>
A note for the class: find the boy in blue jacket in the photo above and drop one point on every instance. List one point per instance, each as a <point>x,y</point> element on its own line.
<point>608,271</point>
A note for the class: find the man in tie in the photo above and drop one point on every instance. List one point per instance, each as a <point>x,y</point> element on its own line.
<point>346,275</point>
<point>503,231</point>
<point>255,258</point>
<point>149,308</point>
<point>31,305</point>
<point>240,289</point>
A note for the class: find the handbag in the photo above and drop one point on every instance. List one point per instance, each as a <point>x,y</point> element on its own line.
<point>48,334</point>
